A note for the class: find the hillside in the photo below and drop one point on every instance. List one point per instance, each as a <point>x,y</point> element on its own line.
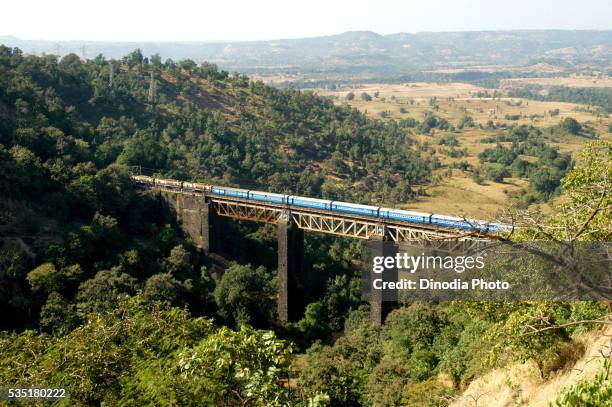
<point>201,122</point>
<point>521,384</point>
<point>68,132</point>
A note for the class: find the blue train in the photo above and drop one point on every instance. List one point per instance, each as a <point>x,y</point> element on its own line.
<point>333,206</point>
<point>363,210</point>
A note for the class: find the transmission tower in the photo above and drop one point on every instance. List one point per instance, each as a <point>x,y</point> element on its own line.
<point>152,87</point>
<point>111,78</point>
<point>83,51</point>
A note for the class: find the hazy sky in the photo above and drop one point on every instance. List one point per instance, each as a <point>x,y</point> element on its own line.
<point>191,20</point>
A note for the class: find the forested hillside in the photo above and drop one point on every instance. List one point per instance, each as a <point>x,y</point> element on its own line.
<point>99,294</point>
<point>73,225</point>
<point>196,121</point>
<point>76,237</point>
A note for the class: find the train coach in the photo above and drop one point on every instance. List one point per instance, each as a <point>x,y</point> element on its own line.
<point>231,192</point>
<point>195,187</point>
<point>142,179</point>
<point>311,203</point>
<point>355,209</point>
<point>452,222</point>
<point>407,216</point>
<point>268,197</point>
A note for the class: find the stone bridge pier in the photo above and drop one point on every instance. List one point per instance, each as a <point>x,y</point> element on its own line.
<point>290,300</point>
<point>198,219</point>
<point>380,305</point>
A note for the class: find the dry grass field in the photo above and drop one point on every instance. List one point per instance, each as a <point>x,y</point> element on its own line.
<point>459,194</point>
<point>539,68</point>
<point>579,81</point>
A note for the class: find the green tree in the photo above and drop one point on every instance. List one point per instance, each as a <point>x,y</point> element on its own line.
<point>134,58</point>
<point>102,292</point>
<point>585,213</point>
<point>341,371</point>
<point>465,121</point>
<point>46,278</point>
<point>143,354</point>
<point>58,316</point>
<point>245,295</point>
<point>163,287</point>
<point>495,172</point>
<point>588,393</point>
<point>178,263</point>
<point>571,125</point>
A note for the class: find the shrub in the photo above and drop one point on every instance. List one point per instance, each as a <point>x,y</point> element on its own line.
<point>495,172</point>
<point>511,339</point>
<point>57,316</point>
<point>44,278</point>
<point>465,121</point>
<point>461,350</point>
<point>163,287</point>
<point>102,292</point>
<point>448,139</point>
<point>428,393</point>
<point>365,96</point>
<point>589,393</point>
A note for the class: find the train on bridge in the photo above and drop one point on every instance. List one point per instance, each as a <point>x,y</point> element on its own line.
<point>345,208</point>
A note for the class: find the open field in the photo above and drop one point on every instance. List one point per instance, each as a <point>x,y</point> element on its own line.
<point>540,68</point>
<point>416,90</point>
<point>579,81</point>
<point>455,100</point>
<point>459,194</point>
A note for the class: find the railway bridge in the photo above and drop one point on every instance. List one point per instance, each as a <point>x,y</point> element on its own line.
<point>198,211</point>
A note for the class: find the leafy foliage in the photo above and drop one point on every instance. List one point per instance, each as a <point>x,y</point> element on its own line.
<point>588,393</point>
<point>245,295</point>
<point>138,354</point>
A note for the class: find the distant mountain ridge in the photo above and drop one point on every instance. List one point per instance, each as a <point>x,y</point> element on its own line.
<point>359,51</point>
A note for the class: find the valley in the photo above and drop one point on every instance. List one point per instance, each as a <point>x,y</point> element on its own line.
<point>144,290</point>
<point>492,112</point>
